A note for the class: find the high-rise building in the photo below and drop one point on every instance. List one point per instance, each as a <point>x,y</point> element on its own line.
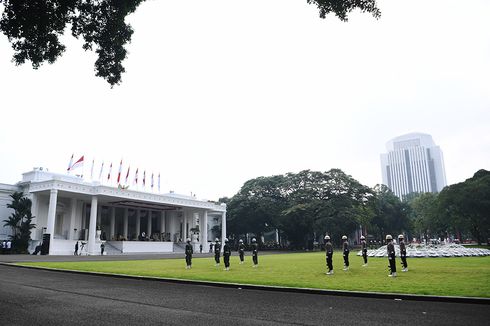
<point>413,163</point>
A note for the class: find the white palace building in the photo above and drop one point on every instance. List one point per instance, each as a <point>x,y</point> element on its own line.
<point>68,209</point>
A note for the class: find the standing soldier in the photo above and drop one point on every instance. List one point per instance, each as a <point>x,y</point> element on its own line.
<point>329,253</point>
<point>217,250</point>
<point>241,250</point>
<point>345,249</point>
<point>364,250</point>
<point>403,253</point>
<point>391,255</point>
<point>226,255</point>
<point>76,249</point>
<point>255,252</point>
<point>188,254</point>
<point>102,247</point>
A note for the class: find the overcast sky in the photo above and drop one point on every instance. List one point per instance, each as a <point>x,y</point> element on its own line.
<point>217,92</point>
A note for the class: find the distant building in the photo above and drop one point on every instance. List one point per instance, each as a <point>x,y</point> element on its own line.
<point>413,163</point>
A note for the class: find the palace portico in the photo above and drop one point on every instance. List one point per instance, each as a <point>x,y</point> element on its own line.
<point>69,209</point>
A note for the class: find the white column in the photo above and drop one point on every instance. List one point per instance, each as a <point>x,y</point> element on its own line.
<point>184,227</point>
<point>53,199</point>
<point>113,223</point>
<point>125,222</point>
<point>204,231</point>
<point>162,222</point>
<point>148,227</point>
<point>73,214</point>
<point>92,226</point>
<point>223,228</point>
<point>138,222</point>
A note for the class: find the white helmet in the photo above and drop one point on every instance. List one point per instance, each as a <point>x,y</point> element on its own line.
<point>389,237</point>
<point>188,240</point>
<point>327,237</point>
<point>226,239</point>
<point>241,241</point>
<point>216,240</point>
<point>363,237</point>
<point>253,240</point>
<point>344,237</point>
<point>400,236</point>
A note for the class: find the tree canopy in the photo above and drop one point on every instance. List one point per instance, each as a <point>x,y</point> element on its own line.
<point>34,27</point>
<point>20,221</point>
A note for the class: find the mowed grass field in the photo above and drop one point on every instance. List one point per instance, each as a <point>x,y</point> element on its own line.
<point>465,276</point>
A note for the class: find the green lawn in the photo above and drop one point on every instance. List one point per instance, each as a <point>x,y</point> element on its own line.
<point>466,276</point>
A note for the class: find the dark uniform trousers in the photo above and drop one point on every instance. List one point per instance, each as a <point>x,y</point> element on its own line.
<point>346,258</point>
<point>403,257</point>
<point>329,262</point>
<point>188,259</point>
<point>242,255</point>
<point>217,254</point>
<point>226,259</point>
<point>255,257</point>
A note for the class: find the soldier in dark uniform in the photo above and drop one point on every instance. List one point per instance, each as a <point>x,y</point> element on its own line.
<point>345,252</point>
<point>391,255</point>
<point>226,255</point>
<point>403,253</point>
<point>329,254</point>
<point>241,250</point>
<point>364,250</point>
<point>255,253</point>
<point>188,254</point>
<point>217,251</point>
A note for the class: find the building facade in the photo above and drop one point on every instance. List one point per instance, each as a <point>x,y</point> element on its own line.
<point>413,163</point>
<point>68,209</point>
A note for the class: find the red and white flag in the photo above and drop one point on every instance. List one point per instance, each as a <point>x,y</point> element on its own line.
<point>127,175</point>
<point>71,162</point>
<point>119,173</point>
<point>77,164</point>
<point>136,177</point>
<point>144,178</point>
<point>109,174</point>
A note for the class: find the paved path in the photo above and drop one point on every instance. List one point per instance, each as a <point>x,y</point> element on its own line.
<point>41,297</point>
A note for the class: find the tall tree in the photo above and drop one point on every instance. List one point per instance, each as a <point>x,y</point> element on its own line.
<point>33,27</point>
<point>467,205</point>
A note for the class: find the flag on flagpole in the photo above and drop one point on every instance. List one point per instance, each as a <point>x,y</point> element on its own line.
<point>127,175</point>
<point>77,164</point>
<point>152,181</point>
<point>136,177</point>
<point>109,174</point>
<point>119,173</point>
<point>92,170</point>
<point>70,164</point>
<point>101,170</point>
<point>158,181</point>
<point>144,178</point>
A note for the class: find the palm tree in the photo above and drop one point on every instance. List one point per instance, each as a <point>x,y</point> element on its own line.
<point>20,221</point>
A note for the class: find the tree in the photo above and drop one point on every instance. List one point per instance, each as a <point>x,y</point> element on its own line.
<point>302,205</point>
<point>426,221</point>
<point>467,205</point>
<point>33,27</point>
<point>390,214</point>
<point>20,221</point>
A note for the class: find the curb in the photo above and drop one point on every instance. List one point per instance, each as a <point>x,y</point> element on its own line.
<point>359,294</point>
